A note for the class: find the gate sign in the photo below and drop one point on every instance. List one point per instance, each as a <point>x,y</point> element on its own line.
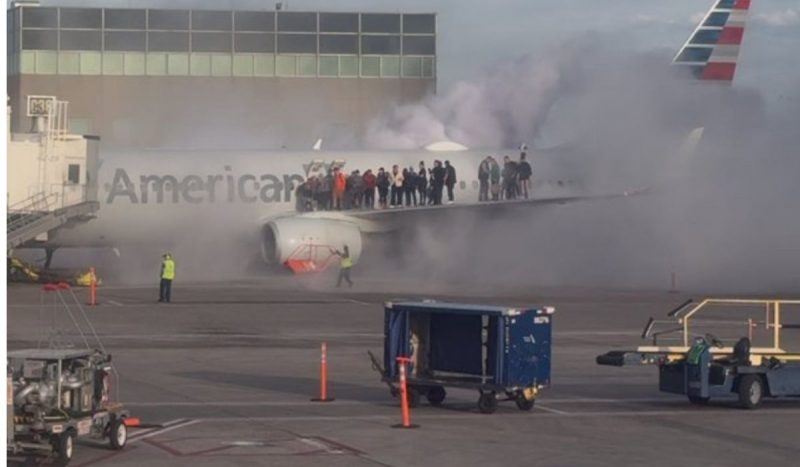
<point>40,106</point>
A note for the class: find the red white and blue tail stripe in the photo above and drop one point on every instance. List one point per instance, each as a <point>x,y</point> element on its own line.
<point>712,50</point>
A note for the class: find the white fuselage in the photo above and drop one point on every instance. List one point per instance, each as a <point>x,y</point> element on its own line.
<point>159,197</point>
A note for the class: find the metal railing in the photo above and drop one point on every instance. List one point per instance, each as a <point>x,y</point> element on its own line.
<point>687,318</point>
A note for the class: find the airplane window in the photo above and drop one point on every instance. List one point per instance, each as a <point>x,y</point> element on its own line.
<point>462,185</point>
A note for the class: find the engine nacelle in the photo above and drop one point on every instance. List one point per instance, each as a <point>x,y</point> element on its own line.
<point>307,238</point>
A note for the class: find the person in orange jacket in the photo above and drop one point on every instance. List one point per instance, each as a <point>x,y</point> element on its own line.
<point>339,185</point>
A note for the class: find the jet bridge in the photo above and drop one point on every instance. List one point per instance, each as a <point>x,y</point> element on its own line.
<point>52,175</point>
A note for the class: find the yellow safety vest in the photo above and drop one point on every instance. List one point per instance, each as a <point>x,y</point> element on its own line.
<point>347,262</point>
<point>168,269</point>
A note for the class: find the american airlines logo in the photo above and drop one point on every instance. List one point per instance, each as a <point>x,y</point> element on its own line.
<point>196,189</point>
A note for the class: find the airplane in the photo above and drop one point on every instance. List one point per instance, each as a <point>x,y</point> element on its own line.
<point>161,197</point>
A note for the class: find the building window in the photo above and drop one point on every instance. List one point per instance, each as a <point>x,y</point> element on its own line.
<point>390,66</point>
<point>256,21</point>
<point>254,42</point>
<point>168,41</point>
<point>412,67</point>
<point>348,66</point>
<point>74,173</point>
<point>125,19</point>
<point>39,17</point>
<point>386,23</point>
<point>80,40</point>
<point>211,42</point>
<point>370,66</point>
<point>338,22</point>
<point>285,65</point>
<point>125,41</point>
<point>419,24</point>
<point>380,45</point>
<point>338,44</point>
<point>168,19</point>
<point>81,18</point>
<point>40,40</point>
<point>297,22</point>
<point>419,45</point>
<point>205,20</point>
<point>297,43</point>
<point>307,65</point>
<point>329,65</point>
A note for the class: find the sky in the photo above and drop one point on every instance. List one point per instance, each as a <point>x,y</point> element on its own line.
<point>477,35</point>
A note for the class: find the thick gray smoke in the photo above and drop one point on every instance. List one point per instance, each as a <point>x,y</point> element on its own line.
<point>723,220</point>
<point>487,113</point>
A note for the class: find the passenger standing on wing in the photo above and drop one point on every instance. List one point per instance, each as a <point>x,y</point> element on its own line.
<point>167,276</point>
<point>397,187</point>
<point>449,180</point>
<point>326,191</point>
<point>483,177</point>
<point>494,174</point>
<point>369,189</point>
<point>345,265</point>
<point>411,187</point>
<point>383,184</point>
<point>437,181</point>
<point>339,185</point>
<point>509,178</point>
<point>358,189</point>
<point>422,184</point>
<point>525,172</point>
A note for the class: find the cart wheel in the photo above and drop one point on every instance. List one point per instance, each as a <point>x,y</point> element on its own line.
<point>751,391</point>
<point>413,397</point>
<point>487,403</point>
<point>697,400</point>
<point>117,433</point>
<point>436,395</point>
<point>523,403</point>
<point>63,446</point>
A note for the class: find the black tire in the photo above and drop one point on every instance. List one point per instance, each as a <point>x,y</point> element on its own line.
<point>751,391</point>
<point>117,434</point>
<point>64,447</point>
<point>436,395</point>
<point>524,403</point>
<point>487,403</point>
<point>697,400</point>
<point>413,397</point>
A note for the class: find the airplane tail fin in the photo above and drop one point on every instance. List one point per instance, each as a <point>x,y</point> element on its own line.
<point>712,50</point>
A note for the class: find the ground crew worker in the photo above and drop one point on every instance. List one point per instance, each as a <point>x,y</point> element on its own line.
<point>345,265</point>
<point>167,276</point>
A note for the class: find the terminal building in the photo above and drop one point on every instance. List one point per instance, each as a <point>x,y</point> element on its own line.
<point>202,78</point>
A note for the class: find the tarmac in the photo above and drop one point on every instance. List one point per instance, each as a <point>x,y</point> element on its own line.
<point>223,376</point>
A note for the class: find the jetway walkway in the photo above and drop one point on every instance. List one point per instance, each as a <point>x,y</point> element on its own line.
<point>36,215</point>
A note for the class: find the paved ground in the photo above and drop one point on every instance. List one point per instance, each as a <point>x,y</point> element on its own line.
<point>225,373</point>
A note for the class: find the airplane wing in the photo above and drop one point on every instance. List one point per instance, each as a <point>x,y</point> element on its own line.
<point>711,52</point>
<point>383,220</point>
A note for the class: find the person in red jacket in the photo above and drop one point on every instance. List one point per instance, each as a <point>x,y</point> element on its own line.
<point>370,182</point>
<point>339,185</point>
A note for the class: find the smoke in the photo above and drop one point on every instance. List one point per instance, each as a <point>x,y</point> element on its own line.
<point>723,219</point>
<point>487,113</point>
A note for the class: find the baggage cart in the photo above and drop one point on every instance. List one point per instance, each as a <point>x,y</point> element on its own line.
<point>503,352</point>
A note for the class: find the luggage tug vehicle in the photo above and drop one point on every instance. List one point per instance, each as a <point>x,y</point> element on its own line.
<point>694,362</point>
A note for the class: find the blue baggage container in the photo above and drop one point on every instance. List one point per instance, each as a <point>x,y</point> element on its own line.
<point>502,352</point>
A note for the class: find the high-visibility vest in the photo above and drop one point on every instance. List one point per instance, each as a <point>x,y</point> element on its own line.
<point>168,269</point>
<point>347,262</point>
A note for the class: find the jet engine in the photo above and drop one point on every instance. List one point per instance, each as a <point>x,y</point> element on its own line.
<point>311,239</point>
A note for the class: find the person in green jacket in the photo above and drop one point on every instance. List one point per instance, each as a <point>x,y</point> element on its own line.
<point>345,265</point>
<point>167,276</point>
